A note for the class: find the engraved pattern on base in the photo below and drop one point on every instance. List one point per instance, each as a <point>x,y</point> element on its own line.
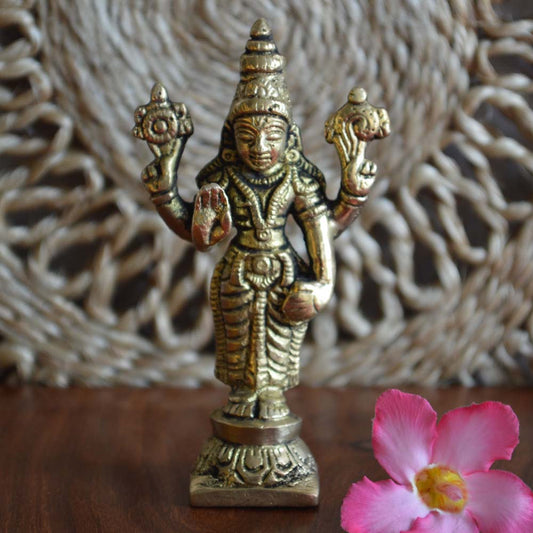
<point>269,466</point>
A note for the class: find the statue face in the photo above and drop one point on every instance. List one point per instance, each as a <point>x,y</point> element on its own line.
<point>260,140</point>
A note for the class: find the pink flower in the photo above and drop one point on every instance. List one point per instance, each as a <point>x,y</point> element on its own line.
<point>441,481</point>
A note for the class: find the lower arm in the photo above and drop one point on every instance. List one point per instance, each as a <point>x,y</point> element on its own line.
<point>176,212</point>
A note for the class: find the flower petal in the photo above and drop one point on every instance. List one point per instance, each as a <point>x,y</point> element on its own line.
<point>403,433</point>
<point>500,502</point>
<point>444,523</point>
<point>470,439</point>
<point>382,507</point>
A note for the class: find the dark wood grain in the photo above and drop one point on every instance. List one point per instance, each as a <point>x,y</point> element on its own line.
<point>118,460</point>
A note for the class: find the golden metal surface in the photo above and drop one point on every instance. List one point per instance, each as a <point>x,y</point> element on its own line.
<point>262,293</point>
<point>255,431</point>
<point>302,494</point>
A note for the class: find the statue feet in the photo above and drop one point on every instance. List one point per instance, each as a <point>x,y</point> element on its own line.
<point>272,404</point>
<point>241,403</point>
<point>267,404</point>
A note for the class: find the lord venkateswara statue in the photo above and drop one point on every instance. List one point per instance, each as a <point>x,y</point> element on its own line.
<point>263,294</point>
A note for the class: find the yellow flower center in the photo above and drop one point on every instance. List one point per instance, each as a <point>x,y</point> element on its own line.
<point>442,488</point>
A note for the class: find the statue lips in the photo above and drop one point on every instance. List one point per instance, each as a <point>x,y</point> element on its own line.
<point>261,161</point>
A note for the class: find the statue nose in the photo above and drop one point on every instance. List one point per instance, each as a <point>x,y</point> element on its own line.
<point>260,144</point>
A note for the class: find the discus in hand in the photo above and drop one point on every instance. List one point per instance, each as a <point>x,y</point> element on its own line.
<point>160,122</point>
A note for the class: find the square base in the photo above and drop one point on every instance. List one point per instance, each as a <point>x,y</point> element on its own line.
<point>204,493</point>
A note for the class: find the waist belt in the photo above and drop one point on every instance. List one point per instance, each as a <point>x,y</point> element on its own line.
<point>262,239</point>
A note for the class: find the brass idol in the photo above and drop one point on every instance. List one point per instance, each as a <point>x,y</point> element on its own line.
<point>263,294</point>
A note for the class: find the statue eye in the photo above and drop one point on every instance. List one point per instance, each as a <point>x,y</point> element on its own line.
<point>275,133</point>
<point>245,137</point>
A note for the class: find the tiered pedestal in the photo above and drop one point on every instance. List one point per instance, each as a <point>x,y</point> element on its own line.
<point>255,463</point>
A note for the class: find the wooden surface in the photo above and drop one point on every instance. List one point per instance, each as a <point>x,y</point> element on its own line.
<point>118,460</point>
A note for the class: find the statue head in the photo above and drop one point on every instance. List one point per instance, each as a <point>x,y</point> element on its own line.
<point>260,115</point>
<point>260,140</point>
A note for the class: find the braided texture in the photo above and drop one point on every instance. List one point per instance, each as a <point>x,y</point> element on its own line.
<point>435,280</point>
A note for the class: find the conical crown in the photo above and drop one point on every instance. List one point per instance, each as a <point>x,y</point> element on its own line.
<point>262,87</point>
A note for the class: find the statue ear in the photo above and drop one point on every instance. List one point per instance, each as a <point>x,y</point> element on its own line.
<point>228,151</point>
<point>294,140</point>
<point>294,144</point>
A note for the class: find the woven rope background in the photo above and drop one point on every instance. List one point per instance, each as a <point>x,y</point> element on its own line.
<point>435,280</point>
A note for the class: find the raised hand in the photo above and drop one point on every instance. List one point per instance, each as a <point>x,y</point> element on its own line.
<point>165,126</point>
<point>350,129</point>
<point>359,176</point>
<point>211,219</point>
